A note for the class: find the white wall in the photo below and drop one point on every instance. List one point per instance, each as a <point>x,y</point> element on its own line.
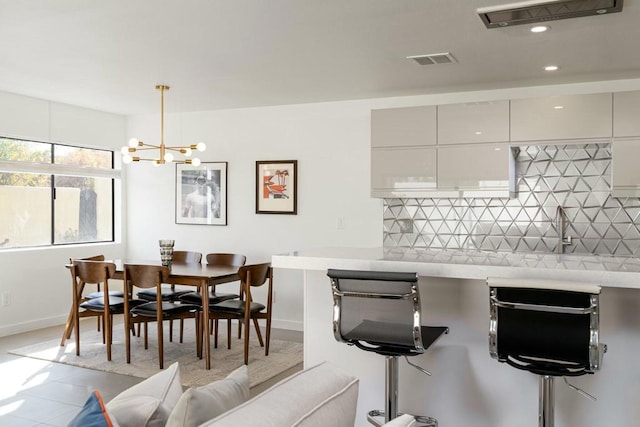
<point>38,285</point>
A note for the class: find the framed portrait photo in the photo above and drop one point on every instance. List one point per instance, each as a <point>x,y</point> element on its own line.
<point>277,187</point>
<point>201,194</point>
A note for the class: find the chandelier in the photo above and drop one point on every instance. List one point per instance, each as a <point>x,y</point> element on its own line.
<point>165,152</point>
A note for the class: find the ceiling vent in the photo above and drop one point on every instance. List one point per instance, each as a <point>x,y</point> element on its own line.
<point>527,12</point>
<point>434,58</point>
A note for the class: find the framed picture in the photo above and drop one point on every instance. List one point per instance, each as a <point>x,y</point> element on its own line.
<point>276,187</point>
<point>201,194</point>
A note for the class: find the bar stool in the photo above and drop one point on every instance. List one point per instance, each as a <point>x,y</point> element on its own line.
<point>548,328</point>
<point>380,312</point>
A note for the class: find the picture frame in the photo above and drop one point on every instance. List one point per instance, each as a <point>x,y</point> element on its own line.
<point>201,193</point>
<point>277,187</point>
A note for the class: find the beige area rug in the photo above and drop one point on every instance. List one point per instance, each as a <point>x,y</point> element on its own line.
<point>144,363</point>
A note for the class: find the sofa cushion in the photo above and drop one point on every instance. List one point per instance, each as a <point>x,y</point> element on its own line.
<point>200,404</point>
<point>148,403</point>
<point>93,414</point>
<point>320,395</point>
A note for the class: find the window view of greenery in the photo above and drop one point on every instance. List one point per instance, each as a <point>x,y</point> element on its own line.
<point>39,209</point>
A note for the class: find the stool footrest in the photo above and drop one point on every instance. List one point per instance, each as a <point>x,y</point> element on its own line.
<point>423,420</point>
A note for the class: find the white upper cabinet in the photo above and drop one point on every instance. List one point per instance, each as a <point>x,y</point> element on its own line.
<point>403,127</point>
<point>626,114</point>
<point>473,122</point>
<point>488,168</point>
<point>625,173</point>
<point>402,172</point>
<point>562,117</point>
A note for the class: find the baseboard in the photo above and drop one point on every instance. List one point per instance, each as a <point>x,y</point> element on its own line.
<point>32,325</point>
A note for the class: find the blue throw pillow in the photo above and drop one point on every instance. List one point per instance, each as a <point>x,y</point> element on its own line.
<point>93,414</point>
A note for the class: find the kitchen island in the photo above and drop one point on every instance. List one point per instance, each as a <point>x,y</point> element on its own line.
<point>468,388</point>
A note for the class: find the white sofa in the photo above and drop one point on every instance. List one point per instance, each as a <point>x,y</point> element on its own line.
<point>321,395</point>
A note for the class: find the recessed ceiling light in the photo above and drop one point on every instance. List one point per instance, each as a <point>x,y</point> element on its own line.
<point>551,68</point>
<point>478,132</point>
<point>540,28</point>
<point>558,107</point>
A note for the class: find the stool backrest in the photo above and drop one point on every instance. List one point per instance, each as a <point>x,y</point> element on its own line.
<point>546,328</point>
<point>376,311</point>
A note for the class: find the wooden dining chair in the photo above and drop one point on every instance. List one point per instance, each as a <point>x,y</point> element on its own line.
<point>104,307</point>
<point>147,277</point>
<point>247,310</point>
<point>221,260</point>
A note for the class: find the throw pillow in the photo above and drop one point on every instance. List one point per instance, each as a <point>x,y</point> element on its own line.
<point>149,403</point>
<point>93,414</point>
<point>200,404</point>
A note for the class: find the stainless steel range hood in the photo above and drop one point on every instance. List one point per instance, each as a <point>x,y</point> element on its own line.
<point>527,12</point>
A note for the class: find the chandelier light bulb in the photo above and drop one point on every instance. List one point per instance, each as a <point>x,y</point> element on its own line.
<point>195,162</point>
<point>126,159</point>
<point>133,142</point>
<point>187,152</point>
<point>124,151</point>
<point>201,146</point>
<point>168,157</point>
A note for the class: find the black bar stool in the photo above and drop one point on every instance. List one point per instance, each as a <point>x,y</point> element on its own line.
<point>548,328</point>
<point>380,312</point>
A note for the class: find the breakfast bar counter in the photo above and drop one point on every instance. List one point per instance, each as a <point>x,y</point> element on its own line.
<point>468,387</point>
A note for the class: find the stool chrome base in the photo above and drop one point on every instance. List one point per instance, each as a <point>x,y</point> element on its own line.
<point>423,421</point>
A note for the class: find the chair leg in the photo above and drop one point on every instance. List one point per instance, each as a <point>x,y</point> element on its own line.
<point>546,404</point>
<point>181,330</point>
<point>255,324</point>
<point>146,335</point>
<point>229,333</point>
<point>107,331</point>
<point>215,333</point>
<point>170,330</point>
<point>247,331</point>
<point>161,342</point>
<point>266,347</point>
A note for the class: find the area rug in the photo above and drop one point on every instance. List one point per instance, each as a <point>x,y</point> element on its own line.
<point>283,355</point>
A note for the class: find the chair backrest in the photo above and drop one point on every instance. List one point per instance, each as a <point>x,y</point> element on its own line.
<point>144,276</point>
<point>232,260</point>
<point>92,271</point>
<point>377,311</point>
<point>186,257</point>
<point>255,274</point>
<point>545,327</point>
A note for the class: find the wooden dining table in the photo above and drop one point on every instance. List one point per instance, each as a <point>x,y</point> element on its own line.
<point>201,276</point>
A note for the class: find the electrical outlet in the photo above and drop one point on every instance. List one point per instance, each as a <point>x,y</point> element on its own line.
<point>6,299</point>
<point>340,224</point>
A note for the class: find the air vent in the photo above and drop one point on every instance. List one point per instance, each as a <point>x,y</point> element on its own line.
<point>434,58</point>
<point>527,12</point>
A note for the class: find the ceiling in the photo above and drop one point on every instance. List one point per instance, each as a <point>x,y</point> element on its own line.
<point>109,55</point>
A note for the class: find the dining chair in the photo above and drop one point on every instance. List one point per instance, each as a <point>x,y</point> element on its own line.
<point>104,307</point>
<point>222,260</point>
<point>169,292</point>
<point>147,277</point>
<point>247,310</point>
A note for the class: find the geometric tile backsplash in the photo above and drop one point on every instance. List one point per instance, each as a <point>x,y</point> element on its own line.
<point>575,177</point>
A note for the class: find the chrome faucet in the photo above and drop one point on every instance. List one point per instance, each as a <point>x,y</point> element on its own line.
<point>562,240</point>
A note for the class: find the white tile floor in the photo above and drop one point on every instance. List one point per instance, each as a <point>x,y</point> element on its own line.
<point>39,393</point>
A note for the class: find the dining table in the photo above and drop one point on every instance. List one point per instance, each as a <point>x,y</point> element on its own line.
<point>201,276</point>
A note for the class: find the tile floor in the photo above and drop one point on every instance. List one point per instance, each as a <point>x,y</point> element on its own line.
<point>39,393</point>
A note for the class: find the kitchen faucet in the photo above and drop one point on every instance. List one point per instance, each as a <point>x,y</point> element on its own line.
<point>562,241</point>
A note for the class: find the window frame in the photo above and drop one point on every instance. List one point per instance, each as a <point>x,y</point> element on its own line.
<point>55,170</point>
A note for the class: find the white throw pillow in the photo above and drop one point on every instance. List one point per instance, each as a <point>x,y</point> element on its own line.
<point>149,403</point>
<point>200,404</point>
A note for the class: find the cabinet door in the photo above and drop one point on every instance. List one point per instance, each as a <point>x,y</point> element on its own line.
<point>473,122</point>
<point>402,172</point>
<point>626,114</point>
<point>625,171</point>
<point>403,127</point>
<point>486,167</point>
<point>562,117</point>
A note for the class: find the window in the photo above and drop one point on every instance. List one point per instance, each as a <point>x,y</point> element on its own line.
<point>53,194</point>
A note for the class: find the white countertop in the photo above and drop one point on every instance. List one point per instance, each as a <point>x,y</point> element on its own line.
<point>606,271</point>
